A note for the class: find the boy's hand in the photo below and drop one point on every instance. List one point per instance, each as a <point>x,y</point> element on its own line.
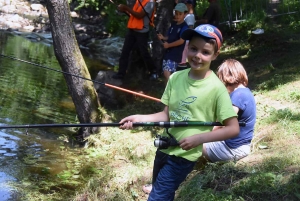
<point>127,121</point>
<point>166,45</point>
<point>160,36</point>
<point>190,142</point>
<point>122,7</point>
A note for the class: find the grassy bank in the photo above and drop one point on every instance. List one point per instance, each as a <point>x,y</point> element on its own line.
<point>118,162</point>
<point>270,172</point>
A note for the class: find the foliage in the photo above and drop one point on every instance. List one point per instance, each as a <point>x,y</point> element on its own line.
<point>115,21</point>
<point>254,20</point>
<point>93,4</point>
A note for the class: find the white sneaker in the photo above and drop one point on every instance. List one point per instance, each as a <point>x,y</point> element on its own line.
<point>258,31</point>
<point>153,76</point>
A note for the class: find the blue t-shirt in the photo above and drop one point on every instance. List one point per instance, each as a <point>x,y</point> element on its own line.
<point>244,100</point>
<point>174,34</point>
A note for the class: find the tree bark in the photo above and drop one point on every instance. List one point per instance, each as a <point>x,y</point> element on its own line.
<point>68,54</point>
<point>164,16</point>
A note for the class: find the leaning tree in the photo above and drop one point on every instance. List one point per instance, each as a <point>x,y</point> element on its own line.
<point>68,54</point>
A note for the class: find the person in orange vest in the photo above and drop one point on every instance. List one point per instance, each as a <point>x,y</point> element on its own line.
<point>141,16</point>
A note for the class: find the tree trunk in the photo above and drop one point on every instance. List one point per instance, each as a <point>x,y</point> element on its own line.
<point>71,61</point>
<point>164,16</point>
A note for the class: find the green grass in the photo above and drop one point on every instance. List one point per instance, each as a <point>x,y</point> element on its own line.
<point>118,162</point>
<point>270,172</point>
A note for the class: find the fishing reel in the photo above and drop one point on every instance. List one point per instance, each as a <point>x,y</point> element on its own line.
<point>163,142</point>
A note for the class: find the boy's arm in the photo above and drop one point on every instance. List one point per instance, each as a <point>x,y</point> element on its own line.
<point>161,37</point>
<point>236,109</point>
<point>156,117</point>
<point>124,8</point>
<point>174,44</point>
<point>231,129</point>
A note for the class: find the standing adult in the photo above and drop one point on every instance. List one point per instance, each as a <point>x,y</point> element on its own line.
<point>211,14</point>
<point>141,16</point>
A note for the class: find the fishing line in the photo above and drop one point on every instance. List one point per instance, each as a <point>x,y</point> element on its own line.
<point>102,83</point>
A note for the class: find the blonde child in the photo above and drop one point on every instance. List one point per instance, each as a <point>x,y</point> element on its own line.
<point>232,73</point>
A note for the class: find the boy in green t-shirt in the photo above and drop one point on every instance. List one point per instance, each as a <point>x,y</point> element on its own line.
<point>194,94</point>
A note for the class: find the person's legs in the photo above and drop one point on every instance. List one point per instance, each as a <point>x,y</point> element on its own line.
<point>142,42</point>
<point>170,176</point>
<point>129,43</point>
<point>219,151</point>
<point>159,161</point>
<point>169,67</point>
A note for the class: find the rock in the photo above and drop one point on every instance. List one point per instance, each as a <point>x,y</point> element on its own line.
<point>74,14</point>
<point>108,50</point>
<point>8,9</point>
<point>37,7</point>
<point>106,94</point>
<point>28,28</point>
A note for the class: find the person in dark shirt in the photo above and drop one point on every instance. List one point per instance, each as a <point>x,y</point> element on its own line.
<point>211,14</point>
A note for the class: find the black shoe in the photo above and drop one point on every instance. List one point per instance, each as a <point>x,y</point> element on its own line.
<point>118,76</point>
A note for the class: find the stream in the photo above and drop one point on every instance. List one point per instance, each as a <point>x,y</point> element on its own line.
<point>32,95</point>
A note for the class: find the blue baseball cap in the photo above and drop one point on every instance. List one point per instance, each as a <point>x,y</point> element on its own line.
<point>181,7</point>
<point>206,30</point>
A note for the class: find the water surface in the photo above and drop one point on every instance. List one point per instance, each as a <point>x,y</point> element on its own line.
<point>31,95</point>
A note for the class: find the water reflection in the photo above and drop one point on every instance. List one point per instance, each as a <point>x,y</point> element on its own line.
<point>31,95</point>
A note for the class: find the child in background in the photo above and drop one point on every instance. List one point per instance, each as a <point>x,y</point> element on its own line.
<point>232,73</point>
<point>190,21</point>
<point>194,94</point>
<point>174,44</point>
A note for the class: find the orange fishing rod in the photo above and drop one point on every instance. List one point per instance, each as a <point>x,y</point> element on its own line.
<point>94,81</point>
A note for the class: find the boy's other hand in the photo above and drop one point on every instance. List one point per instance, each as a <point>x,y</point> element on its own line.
<point>190,142</point>
<point>160,36</point>
<point>166,45</point>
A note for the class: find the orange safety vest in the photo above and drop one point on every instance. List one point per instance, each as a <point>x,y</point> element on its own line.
<point>135,23</point>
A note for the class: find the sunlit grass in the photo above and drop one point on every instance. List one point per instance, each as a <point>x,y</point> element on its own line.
<point>117,163</point>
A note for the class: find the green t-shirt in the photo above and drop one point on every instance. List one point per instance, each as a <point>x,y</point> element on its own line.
<point>203,100</point>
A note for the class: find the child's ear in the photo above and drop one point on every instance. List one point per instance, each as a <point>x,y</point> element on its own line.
<point>216,55</point>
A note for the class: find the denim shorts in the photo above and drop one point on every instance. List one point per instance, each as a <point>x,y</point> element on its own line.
<point>169,65</point>
<point>168,173</point>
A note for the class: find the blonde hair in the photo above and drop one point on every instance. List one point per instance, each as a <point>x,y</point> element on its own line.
<point>232,72</point>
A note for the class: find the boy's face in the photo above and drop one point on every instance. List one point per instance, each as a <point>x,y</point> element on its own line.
<point>179,17</point>
<point>200,54</point>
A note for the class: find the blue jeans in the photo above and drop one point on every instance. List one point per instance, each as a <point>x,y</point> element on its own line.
<point>168,173</point>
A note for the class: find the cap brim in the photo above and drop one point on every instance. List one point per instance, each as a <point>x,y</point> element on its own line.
<point>189,33</point>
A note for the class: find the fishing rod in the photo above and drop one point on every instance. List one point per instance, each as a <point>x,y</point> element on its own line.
<point>117,7</point>
<point>163,124</point>
<point>102,83</point>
